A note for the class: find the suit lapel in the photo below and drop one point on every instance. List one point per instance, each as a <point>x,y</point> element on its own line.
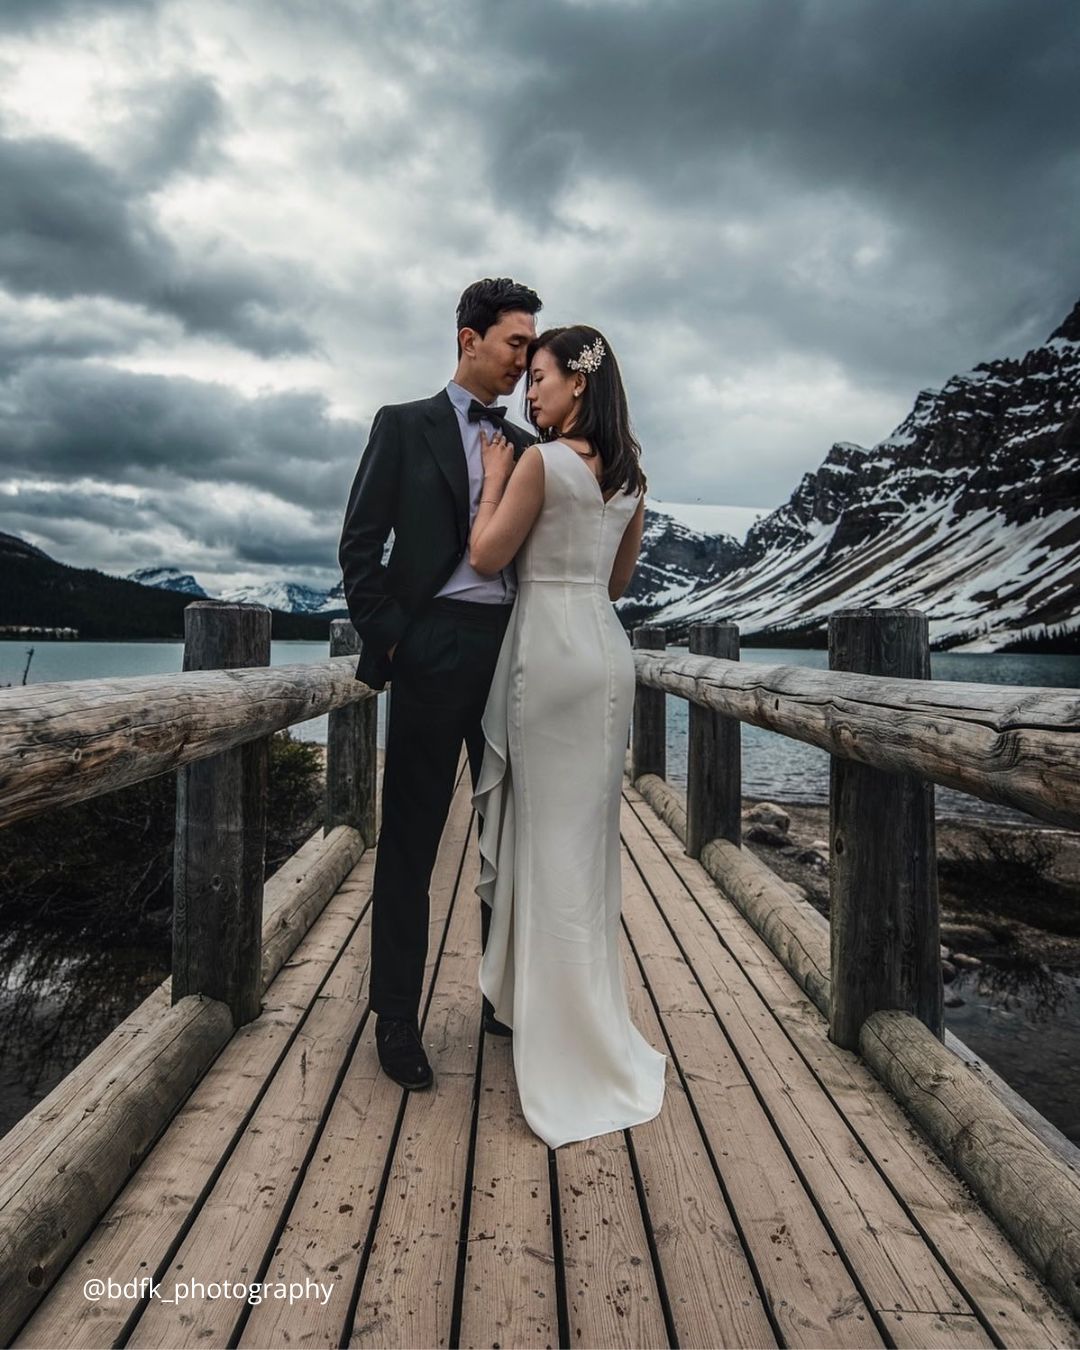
<point>521,439</point>
<point>444,442</point>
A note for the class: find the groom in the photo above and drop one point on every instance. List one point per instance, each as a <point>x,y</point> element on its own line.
<point>432,627</point>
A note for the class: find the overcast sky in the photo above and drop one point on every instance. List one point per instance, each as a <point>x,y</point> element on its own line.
<point>230,231</point>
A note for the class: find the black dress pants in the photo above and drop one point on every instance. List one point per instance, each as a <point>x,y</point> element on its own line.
<point>440,676</point>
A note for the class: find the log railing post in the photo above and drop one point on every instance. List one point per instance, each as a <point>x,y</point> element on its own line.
<point>221,830</point>
<point>648,737</point>
<point>883,870</point>
<point>714,754</point>
<point>351,754</point>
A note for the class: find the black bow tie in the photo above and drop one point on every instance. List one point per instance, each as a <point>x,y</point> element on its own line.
<point>477,411</point>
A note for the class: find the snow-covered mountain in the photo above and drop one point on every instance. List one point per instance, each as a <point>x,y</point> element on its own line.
<point>290,596</point>
<point>705,518</point>
<point>168,579</point>
<point>676,558</point>
<point>969,511</point>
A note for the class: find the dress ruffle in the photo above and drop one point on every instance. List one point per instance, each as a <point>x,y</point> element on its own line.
<point>494,803</point>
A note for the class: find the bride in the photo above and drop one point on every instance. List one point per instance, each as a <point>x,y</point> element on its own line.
<point>571,512</point>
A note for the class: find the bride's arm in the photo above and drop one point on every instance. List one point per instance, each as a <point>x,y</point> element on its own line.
<point>508,509</point>
<point>622,569</point>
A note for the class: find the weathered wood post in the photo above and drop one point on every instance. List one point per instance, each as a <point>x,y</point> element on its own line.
<point>714,754</point>
<point>351,753</point>
<point>648,731</point>
<point>883,869</point>
<point>221,830</point>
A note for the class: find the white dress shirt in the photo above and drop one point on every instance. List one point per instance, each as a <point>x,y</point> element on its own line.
<point>465,582</point>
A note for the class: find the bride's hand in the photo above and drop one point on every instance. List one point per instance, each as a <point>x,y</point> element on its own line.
<point>498,458</point>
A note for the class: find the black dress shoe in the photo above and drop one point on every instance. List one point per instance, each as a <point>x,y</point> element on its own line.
<point>401,1052</point>
<point>491,1023</point>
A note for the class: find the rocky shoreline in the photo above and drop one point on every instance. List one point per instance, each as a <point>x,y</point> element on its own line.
<point>1010,894</point>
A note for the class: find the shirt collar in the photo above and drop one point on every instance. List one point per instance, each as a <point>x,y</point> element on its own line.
<point>461,398</point>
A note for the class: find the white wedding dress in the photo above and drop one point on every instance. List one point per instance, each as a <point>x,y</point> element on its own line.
<point>556,724</point>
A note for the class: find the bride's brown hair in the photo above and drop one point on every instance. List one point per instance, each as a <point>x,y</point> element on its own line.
<point>602,417</point>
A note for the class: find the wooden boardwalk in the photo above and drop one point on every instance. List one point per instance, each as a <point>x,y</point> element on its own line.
<point>780,1198</point>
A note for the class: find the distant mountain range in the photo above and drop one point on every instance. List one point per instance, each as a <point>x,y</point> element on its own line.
<point>288,596</point>
<point>968,511</point>
<point>37,590</point>
<point>684,547</point>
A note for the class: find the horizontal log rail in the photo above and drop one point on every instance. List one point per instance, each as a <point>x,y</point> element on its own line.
<point>1009,744</point>
<point>67,741</point>
<point>874,969</point>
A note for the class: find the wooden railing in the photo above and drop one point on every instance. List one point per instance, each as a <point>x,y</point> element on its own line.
<point>874,969</point>
<point>876,975</point>
<point>66,1160</point>
<point>66,742</point>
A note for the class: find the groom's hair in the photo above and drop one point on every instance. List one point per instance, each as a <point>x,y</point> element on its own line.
<point>482,303</point>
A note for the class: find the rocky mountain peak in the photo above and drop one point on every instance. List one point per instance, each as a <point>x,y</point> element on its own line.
<point>1069,331</point>
<point>968,510</point>
<point>168,579</point>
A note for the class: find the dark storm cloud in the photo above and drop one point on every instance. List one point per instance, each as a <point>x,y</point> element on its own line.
<point>955,123</point>
<point>72,226</point>
<point>68,419</point>
<point>172,129</point>
<point>87,330</point>
<point>743,195</point>
<point>78,523</point>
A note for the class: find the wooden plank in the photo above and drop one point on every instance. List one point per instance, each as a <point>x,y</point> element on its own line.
<point>710,1285</point>
<point>812,1298</point>
<point>509,1292</point>
<point>407,1295</point>
<point>916,1330</point>
<point>611,1293</point>
<point>134,1236</point>
<point>996,1279</point>
<point>892,1262</point>
<point>52,1204</point>
<point>235,1223</point>
<point>330,1219</point>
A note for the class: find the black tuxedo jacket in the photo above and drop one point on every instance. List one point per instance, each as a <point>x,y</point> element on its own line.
<point>413,479</point>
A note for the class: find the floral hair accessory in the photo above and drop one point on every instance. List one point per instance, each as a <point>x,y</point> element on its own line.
<point>590,358</point>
